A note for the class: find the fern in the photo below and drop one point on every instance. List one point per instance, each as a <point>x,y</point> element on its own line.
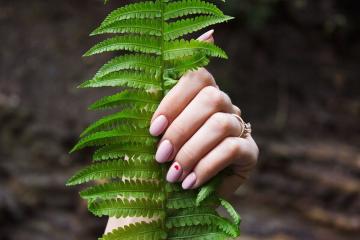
<point>127,181</point>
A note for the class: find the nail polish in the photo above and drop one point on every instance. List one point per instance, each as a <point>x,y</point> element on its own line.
<point>189,181</point>
<point>206,35</point>
<point>174,173</point>
<point>158,126</point>
<point>164,151</point>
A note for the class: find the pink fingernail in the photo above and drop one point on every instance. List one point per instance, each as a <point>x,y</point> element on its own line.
<point>174,173</point>
<point>164,151</point>
<point>206,35</point>
<point>158,126</point>
<point>189,181</point>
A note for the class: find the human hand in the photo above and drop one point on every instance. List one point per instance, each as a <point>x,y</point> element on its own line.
<point>201,133</point>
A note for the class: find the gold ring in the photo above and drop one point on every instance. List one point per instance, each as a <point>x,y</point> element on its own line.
<point>245,127</point>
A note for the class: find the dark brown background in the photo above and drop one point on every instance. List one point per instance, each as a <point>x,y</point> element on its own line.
<point>293,69</point>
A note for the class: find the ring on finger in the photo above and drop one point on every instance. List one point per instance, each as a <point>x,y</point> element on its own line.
<point>245,127</point>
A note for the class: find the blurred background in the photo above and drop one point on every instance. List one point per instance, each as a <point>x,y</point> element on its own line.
<point>294,71</point>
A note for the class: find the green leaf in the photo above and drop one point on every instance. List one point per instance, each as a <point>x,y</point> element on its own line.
<point>140,10</point>
<point>127,97</point>
<point>134,43</point>
<point>115,169</point>
<point>115,136</point>
<point>189,25</point>
<point>117,119</point>
<point>208,189</point>
<point>139,62</point>
<point>136,151</point>
<point>182,48</point>
<point>137,231</point>
<point>127,208</point>
<point>189,7</point>
<point>197,233</point>
<point>232,212</point>
<point>124,189</point>
<point>134,26</point>
<point>133,79</point>
<point>201,216</point>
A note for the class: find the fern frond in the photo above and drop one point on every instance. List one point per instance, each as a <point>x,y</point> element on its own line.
<point>115,120</point>
<point>127,208</point>
<point>139,62</point>
<point>189,7</point>
<point>189,25</point>
<point>133,26</point>
<point>137,231</point>
<point>232,212</point>
<point>115,169</point>
<point>201,216</point>
<point>140,10</point>
<point>182,48</point>
<point>142,44</point>
<point>132,182</point>
<point>124,189</point>
<point>134,79</point>
<point>138,151</point>
<point>125,134</point>
<point>127,98</point>
<point>197,233</point>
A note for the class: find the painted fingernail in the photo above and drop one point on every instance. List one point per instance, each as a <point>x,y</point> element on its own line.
<point>206,35</point>
<point>189,181</point>
<point>164,151</point>
<point>174,173</point>
<point>158,126</point>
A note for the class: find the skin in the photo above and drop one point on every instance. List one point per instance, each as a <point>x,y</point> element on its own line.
<point>201,134</point>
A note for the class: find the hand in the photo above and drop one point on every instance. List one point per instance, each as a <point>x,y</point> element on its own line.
<point>201,133</point>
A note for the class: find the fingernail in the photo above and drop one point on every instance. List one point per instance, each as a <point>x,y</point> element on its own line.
<point>189,181</point>
<point>174,173</point>
<point>164,151</point>
<point>206,35</point>
<point>158,126</point>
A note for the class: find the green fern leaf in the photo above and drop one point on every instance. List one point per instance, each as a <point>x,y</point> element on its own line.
<point>124,79</point>
<point>142,44</point>
<point>188,7</point>
<point>140,10</point>
<point>124,189</point>
<point>127,97</point>
<point>132,182</point>
<point>137,231</point>
<point>134,26</point>
<point>232,212</point>
<point>115,120</point>
<point>182,48</point>
<point>149,64</point>
<point>189,25</point>
<point>115,169</point>
<point>127,208</point>
<point>201,216</point>
<point>197,233</point>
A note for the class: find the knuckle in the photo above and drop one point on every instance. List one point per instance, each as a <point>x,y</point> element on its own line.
<point>222,122</point>
<point>233,147</point>
<point>205,77</point>
<point>214,97</point>
<point>186,158</point>
<point>175,131</point>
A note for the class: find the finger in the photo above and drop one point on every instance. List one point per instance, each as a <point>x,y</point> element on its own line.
<point>237,110</point>
<point>207,37</point>
<point>230,150</point>
<point>209,101</point>
<point>180,95</point>
<point>218,127</point>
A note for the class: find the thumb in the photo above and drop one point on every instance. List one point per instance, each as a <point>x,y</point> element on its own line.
<point>207,37</point>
